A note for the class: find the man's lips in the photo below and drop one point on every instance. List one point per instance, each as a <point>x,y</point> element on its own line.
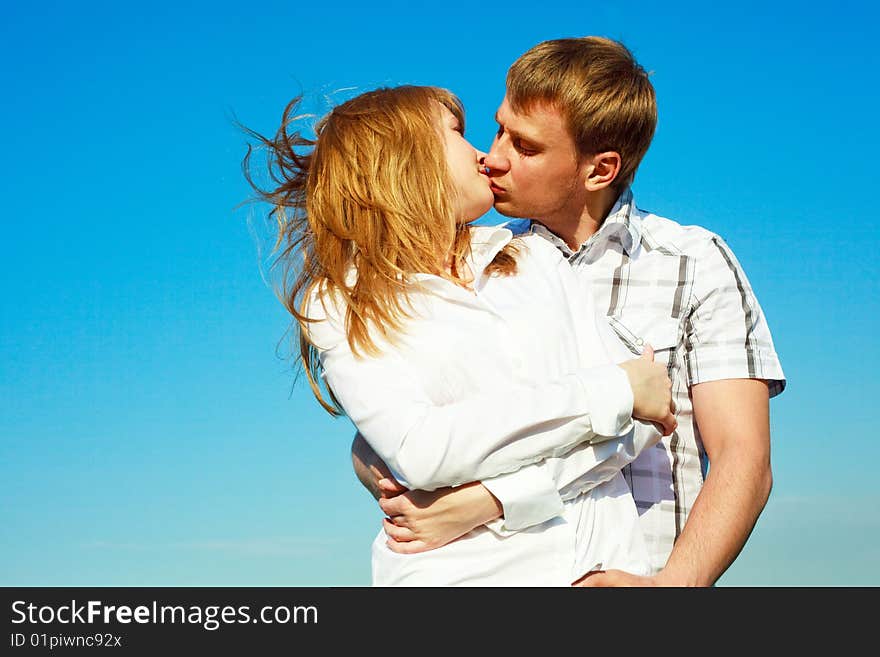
<point>495,188</point>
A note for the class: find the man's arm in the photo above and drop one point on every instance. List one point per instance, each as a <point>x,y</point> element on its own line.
<point>443,515</point>
<point>732,370</point>
<point>734,420</point>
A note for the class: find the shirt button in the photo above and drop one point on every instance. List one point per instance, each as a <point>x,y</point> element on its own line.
<point>640,342</point>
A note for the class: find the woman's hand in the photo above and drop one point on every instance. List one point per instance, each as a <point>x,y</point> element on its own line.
<point>369,468</point>
<point>420,520</point>
<point>652,391</point>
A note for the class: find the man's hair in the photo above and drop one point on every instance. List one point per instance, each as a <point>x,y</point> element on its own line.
<point>601,90</point>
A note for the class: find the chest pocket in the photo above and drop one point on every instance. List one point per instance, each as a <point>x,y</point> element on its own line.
<point>663,335</point>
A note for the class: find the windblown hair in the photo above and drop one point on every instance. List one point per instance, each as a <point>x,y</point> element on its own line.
<point>602,91</point>
<point>372,195</point>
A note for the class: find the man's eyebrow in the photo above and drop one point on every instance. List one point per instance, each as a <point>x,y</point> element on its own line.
<point>516,133</point>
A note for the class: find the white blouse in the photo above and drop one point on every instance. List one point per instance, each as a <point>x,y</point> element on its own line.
<point>481,383</point>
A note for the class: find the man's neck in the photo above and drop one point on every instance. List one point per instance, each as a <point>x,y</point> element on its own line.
<point>577,226</point>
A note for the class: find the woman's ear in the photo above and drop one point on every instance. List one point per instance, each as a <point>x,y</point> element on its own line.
<point>602,169</point>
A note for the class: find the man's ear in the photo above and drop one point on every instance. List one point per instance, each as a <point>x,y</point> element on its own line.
<point>602,169</point>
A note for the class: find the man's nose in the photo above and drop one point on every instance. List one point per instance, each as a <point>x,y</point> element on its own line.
<point>497,162</point>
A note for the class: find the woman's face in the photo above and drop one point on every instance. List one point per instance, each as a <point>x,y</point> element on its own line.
<point>474,194</point>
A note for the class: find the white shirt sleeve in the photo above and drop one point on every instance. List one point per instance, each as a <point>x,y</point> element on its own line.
<point>490,433</point>
<point>536,492</point>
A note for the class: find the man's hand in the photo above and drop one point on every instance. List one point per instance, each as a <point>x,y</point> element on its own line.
<point>608,578</point>
<point>652,391</point>
<point>421,520</point>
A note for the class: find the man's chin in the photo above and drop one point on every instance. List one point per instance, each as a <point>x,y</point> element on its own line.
<point>506,209</point>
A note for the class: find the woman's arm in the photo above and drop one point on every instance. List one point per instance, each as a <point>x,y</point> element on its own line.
<point>508,503</point>
<point>490,432</point>
<point>495,431</point>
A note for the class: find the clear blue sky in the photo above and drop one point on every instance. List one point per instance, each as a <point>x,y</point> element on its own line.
<point>149,434</point>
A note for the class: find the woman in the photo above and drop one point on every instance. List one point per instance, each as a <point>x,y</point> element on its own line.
<point>459,352</point>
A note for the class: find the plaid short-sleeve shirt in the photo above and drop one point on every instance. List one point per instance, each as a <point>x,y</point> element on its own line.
<point>680,289</point>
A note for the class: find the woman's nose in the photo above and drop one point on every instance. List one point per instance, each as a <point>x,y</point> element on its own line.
<point>481,158</point>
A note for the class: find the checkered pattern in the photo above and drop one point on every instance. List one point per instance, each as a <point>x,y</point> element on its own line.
<point>681,289</point>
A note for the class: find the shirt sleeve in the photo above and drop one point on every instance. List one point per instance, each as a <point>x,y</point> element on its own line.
<point>726,333</point>
<point>496,431</point>
<point>536,492</point>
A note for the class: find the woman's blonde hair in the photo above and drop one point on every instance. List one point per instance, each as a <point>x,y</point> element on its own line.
<point>372,193</point>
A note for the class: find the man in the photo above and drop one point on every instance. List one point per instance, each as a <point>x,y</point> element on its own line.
<point>578,117</point>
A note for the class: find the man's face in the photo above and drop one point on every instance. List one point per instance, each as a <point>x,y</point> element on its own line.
<point>534,166</point>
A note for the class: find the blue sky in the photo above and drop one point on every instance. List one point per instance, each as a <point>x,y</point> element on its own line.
<point>149,432</point>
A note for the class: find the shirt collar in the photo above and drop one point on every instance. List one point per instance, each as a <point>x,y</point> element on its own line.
<point>623,221</point>
<point>622,224</point>
<point>486,242</point>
